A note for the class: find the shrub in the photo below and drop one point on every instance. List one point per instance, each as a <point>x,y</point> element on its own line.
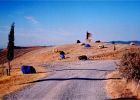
<point>129,67</point>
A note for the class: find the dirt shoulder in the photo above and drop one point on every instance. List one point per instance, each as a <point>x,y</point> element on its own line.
<point>120,88</point>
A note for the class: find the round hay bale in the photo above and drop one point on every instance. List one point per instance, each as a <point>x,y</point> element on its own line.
<point>98,41</point>
<point>78,41</point>
<point>83,57</point>
<point>100,46</point>
<point>132,43</point>
<point>28,69</point>
<point>87,46</point>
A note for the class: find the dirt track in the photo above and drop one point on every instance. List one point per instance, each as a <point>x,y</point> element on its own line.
<point>81,80</point>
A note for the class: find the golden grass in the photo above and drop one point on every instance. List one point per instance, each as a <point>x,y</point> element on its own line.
<point>121,88</point>
<point>18,80</point>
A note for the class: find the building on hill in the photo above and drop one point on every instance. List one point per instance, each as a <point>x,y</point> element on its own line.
<point>88,37</point>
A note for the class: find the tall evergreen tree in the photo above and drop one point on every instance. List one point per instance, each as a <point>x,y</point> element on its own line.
<point>10,47</point>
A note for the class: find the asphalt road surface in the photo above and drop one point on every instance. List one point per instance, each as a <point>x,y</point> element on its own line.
<point>80,80</point>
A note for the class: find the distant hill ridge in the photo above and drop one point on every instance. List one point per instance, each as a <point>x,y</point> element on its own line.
<point>125,42</point>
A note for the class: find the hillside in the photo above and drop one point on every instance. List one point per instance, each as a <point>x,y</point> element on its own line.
<point>18,51</point>
<point>48,54</point>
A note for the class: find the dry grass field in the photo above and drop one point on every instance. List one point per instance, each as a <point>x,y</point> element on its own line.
<point>36,56</point>
<point>121,88</point>
<point>17,80</point>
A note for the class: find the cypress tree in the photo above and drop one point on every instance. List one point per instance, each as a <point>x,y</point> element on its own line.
<point>10,47</point>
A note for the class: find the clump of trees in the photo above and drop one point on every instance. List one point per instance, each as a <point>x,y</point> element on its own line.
<point>10,47</point>
<point>129,67</point>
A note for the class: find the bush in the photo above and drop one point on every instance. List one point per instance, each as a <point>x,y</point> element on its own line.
<point>129,67</point>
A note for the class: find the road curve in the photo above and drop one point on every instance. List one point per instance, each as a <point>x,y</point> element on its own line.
<point>81,80</point>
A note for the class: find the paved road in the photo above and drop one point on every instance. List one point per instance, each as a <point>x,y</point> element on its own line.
<point>82,80</point>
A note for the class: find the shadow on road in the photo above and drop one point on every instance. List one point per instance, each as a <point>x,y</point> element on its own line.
<point>83,69</point>
<point>65,79</point>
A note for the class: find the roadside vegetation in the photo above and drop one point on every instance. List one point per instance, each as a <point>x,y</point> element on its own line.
<point>129,72</point>
<point>129,67</point>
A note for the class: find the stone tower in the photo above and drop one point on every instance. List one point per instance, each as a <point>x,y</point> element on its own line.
<point>88,37</point>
